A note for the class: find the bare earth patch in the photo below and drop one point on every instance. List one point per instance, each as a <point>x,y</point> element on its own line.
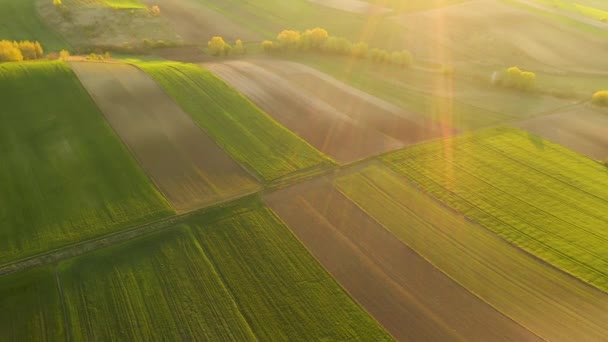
<point>412,299</point>
<point>185,163</point>
<point>583,129</point>
<point>353,6</point>
<point>196,23</point>
<point>342,122</point>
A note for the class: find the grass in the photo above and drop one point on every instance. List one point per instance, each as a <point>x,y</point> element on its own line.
<point>19,20</point>
<point>538,195</point>
<point>65,176</point>
<point>454,100</point>
<point>499,273</point>
<point>232,273</point>
<point>30,306</point>
<point>250,136</point>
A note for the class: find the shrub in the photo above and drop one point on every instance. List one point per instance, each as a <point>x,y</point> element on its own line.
<point>217,46</point>
<point>30,50</point>
<point>402,58</point>
<point>515,78</point>
<point>155,10</point>
<point>64,55</point>
<point>9,52</point>
<point>338,45</point>
<point>600,98</point>
<point>289,39</point>
<point>57,3</point>
<point>380,56</point>
<point>268,46</point>
<point>359,50</point>
<point>238,49</point>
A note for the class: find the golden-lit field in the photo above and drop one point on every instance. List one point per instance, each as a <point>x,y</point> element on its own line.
<point>344,170</point>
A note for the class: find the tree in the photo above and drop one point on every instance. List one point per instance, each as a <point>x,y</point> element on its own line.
<point>57,3</point>
<point>514,77</point>
<point>289,39</point>
<point>238,49</point>
<point>64,55</point>
<point>28,49</point>
<point>217,46</point>
<point>380,56</point>
<point>9,52</point>
<point>338,45</point>
<point>155,10</point>
<point>359,50</point>
<point>268,46</point>
<point>600,98</point>
<point>401,58</point>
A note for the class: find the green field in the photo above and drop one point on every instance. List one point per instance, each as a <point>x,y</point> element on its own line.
<point>466,104</point>
<point>66,177</point>
<point>233,273</point>
<point>501,274</point>
<point>250,136</point>
<point>39,316</point>
<point>580,7</point>
<point>19,20</point>
<point>538,195</point>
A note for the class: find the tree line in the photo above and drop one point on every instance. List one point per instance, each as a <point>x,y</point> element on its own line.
<point>16,51</point>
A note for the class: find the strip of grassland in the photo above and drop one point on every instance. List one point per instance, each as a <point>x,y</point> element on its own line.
<point>230,273</point>
<point>119,4</point>
<point>541,298</point>
<point>66,177</point>
<point>538,195</point>
<point>251,136</point>
<point>19,20</point>
<point>30,307</point>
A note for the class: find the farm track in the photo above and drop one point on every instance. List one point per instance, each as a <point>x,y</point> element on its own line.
<point>165,140</point>
<point>408,295</point>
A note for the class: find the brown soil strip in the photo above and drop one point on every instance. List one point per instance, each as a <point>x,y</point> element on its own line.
<point>407,295</point>
<point>185,163</point>
<point>362,107</point>
<point>331,131</point>
<point>583,129</point>
<point>196,23</point>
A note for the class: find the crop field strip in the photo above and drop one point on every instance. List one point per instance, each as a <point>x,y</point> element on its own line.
<point>80,182</point>
<point>366,109</point>
<point>251,137</point>
<point>118,4</point>
<point>333,133</point>
<point>169,145</point>
<point>552,202</point>
<point>405,293</point>
<point>538,296</point>
<point>20,21</point>
<point>39,316</point>
<point>203,284</point>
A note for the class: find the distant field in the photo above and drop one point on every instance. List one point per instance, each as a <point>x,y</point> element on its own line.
<point>20,21</point>
<point>581,128</point>
<point>538,195</point>
<point>66,176</point>
<point>30,307</point>
<point>534,294</point>
<point>589,8</point>
<point>408,295</point>
<point>250,136</point>
<point>185,163</point>
<point>449,101</point>
<point>415,5</point>
<point>231,274</point>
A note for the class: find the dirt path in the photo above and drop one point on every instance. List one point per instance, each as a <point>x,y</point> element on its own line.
<point>583,129</point>
<point>407,295</point>
<point>185,163</point>
<point>331,131</point>
<point>196,23</point>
